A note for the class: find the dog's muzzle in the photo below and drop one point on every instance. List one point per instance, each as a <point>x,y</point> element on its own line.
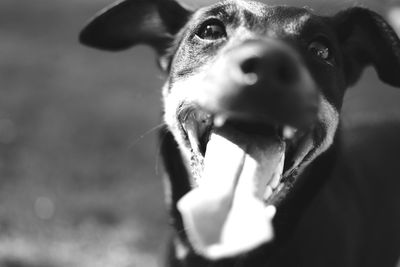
<point>260,80</point>
<point>251,125</point>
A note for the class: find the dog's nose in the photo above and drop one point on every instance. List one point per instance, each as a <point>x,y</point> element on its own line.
<point>263,64</point>
<point>261,79</point>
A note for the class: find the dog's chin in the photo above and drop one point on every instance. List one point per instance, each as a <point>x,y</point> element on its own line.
<point>241,169</point>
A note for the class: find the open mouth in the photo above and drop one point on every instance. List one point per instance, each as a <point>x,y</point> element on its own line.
<point>242,168</point>
<point>288,149</point>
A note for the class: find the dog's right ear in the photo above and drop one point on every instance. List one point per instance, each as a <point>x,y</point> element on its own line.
<point>130,22</point>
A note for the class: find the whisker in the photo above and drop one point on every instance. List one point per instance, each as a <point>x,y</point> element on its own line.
<point>137,140</point>
<point>158,155</point>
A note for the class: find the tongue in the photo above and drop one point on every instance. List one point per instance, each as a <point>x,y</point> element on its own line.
<point>225,215</point>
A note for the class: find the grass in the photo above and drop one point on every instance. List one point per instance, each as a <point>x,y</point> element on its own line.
<point>70,119</point>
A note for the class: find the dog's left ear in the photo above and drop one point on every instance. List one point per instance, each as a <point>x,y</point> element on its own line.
<point>130,22</point>
<point>367,39</point>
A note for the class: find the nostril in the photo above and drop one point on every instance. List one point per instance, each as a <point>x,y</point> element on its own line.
<point>275,67</point>
<point>250,65</point>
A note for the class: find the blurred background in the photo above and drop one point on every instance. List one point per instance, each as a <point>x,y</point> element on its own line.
<point>80,181</point>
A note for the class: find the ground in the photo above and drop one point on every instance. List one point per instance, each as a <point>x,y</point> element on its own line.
<point>80,178</point>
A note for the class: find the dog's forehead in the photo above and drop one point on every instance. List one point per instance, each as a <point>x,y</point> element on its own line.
<point>256,8</point>
<point>256,14</point>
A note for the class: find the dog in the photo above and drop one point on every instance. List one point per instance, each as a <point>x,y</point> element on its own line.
<point>259,167</point>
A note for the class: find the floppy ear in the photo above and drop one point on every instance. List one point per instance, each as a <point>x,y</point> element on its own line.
<point>130,22</point>
<point>367,39</point>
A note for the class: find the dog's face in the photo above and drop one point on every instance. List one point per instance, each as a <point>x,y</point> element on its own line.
<point>256,72</point>
<point>252,97</point>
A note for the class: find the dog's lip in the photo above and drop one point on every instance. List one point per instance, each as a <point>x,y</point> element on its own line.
<point>197,126</point>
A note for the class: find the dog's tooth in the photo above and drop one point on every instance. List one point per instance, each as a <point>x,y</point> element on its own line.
<point>268,192</point>
<point>193,140</point>
<point>276,178</point>
<point>219,120</point>
<point>192,130</point>
<point>250,79</point>
<point>280,187</point>
<point>288,132</point>
<point>303,149</point>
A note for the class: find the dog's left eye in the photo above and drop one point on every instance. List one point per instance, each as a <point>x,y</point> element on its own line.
<point>320,50</point>
<point>212,30</point>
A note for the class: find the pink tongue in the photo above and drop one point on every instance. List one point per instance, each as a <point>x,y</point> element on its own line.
<point>225,216</point>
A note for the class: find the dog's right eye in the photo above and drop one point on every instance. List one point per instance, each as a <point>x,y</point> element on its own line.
<point>321,49</point>
<point>212,30</point>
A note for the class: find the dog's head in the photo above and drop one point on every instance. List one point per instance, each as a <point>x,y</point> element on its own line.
<point>252,97</point>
